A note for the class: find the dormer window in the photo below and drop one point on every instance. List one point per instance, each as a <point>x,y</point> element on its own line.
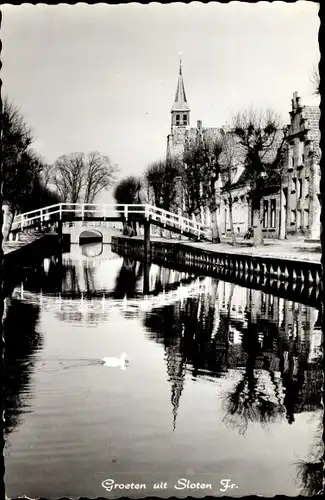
<point>178,119</point>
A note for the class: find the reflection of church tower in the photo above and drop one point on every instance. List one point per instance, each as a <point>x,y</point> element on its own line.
<point>176,369</point>
<point>180,119</point>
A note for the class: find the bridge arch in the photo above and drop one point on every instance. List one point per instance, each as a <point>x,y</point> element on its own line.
<point>90,236</point>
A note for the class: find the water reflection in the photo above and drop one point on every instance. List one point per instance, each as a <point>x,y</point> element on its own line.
<point>127,280</point>
<point>310,472</point>
<point>22,342</point>
<point>272,344</point>
<point>92,249</point>
<point>254,357</point>
<point>86,289</point>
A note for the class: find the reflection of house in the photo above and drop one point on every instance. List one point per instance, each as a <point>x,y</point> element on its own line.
<point>231,327</point>
<point>300,211</point>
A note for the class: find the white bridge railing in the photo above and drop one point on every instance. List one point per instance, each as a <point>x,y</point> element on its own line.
<point>86,211</point>
<point>106,304</point>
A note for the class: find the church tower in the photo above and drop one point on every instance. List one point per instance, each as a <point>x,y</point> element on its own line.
<point>180,119</point>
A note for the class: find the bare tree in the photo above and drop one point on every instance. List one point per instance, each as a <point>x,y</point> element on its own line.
<point>46,174</point>
<point>160,177</point>
<point>263,139</point>
<point>16,138</point>
<point>100,175</point>
<point>127,192</point>
<point>200,179</point>
<point>79,177</point>
<point>315,80</point>
<point>69,177</point>
<point>153,179</point>
<point>230,157</point>
<point>21,166</point>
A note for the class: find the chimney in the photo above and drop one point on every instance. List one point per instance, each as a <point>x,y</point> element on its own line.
<point>294,101</point>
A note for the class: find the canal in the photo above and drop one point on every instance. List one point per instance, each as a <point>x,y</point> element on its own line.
<point>222,385</point>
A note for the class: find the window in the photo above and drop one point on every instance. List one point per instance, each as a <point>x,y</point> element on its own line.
<point>293,217</point>
<point>292,162</point>
<point>299,188</point>
<point>306,214</point>
<point>301,152</point>
<point>299,218</point>
<point>294,185</point>
<point>306,187</point>
<point>178,118</point>
<point>290,157</point>
<point>302,159</point>
<point>185,119</point>
<point>265,212</point>
<point>273,207</point>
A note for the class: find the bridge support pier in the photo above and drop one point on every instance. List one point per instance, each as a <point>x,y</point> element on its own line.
<point>146,273</point>
<point>146,242</point>
<point>60,232</point>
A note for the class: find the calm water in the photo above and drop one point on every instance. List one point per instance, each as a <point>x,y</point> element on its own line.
<point>223,383</point>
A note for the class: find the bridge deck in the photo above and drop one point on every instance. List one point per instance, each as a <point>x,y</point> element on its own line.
<point>150,214</point>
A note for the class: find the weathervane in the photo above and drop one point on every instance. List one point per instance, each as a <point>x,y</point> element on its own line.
<point>180,62</point>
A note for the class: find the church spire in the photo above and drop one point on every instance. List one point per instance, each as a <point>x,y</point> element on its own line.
<point>180,103</point>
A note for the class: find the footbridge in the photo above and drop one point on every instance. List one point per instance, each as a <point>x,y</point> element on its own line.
<point>99,216</point>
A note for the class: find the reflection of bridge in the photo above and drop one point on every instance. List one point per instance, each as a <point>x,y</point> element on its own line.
<point>91,212</point>
<point>65,303</point>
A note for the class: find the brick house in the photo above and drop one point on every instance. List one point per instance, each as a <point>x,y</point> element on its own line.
<point>239,187</point>
<point>300,205</point>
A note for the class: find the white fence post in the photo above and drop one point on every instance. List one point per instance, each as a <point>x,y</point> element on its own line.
<point>181,223</point>
<point>82,211</point>
<point>126,212</point>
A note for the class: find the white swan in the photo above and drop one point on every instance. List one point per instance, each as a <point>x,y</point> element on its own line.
<point>122,361</point>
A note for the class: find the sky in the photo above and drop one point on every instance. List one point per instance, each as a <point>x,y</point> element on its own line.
<point>103,77</point>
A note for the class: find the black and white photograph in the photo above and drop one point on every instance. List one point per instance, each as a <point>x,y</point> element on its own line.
<point>161,304</point>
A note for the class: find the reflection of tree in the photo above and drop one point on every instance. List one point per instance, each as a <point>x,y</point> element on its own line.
<point>21,343</point>
<point>70,279</point>
<point>127,279</point>
<point>89,277</point>
<point>251,400</point>
<point>310,472</point>
<point>46,276</point>
<point>193,322</point>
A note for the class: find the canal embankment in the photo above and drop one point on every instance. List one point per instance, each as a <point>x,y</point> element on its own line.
<point>30,248</point>
<point>297,262</point>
